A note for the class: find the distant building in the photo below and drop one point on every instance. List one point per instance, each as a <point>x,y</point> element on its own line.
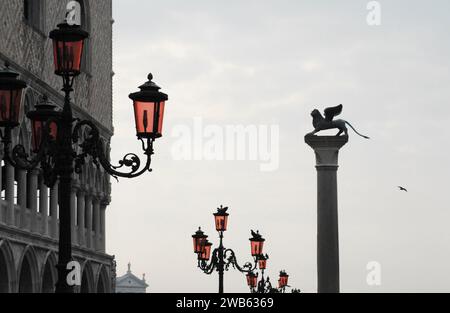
<point>129,283</point>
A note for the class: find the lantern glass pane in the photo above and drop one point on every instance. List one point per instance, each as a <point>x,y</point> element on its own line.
<point>252,280</point>
<point>199,244</point>
<point>149,118</point>
<point>283,281</point>
<point>262,264</point>
<point>10,101</point>
<point>206,253</point>
<point>257,247</point>
<point>37,135</point>
<point>221,222</point>
<point>249,280</point>
<point>67,56</point>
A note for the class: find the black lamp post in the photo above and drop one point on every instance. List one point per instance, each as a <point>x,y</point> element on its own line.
<point>54,133</point>
<point>221,257</point>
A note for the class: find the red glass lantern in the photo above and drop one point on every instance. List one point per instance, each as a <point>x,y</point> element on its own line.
<point>149,104</point>
<point>68,43</point>
<point>199,240</point>
<point>284,278</point>
<point>11,90</point>
<point>206,251</point>
<point>37,133</point>
<point>44,111</point>
<point>221,219</point>
<point>262,262</point>
<point>252,280</point>
<point>256,244</point>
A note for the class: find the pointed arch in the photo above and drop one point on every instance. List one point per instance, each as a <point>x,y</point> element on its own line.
<point>102,285</point>
<point>28,272</point>
<point>87,278</point>
<point>7,269</point>
<point>86,25</point>
<point>48,273</point>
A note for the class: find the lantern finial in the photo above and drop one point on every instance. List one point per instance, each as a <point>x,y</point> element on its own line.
<point>44,99</point>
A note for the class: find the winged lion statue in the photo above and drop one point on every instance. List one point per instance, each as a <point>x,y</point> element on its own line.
<point>328,122</point>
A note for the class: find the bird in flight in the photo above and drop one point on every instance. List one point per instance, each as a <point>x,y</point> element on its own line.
<point>402,188</point>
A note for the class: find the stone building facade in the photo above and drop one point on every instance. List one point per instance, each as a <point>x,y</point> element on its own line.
<point>28,209</point>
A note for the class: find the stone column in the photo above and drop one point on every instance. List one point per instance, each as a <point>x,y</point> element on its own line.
<point>80,214</point>
<point>22,197</point>
<point>2,218</point>
<point>32,198</point>
<point>43,206</point>
<point>9,195</point>
<point>88,215</point>
<point>73,207</point>
<point>54,211</point>
<point>326,149</point>
<point>103,205</point>
<point>96,223</point>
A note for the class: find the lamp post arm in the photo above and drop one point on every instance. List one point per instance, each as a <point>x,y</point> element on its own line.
<point>230,258</point>
<point>93,146</point>
<point>18,157</point>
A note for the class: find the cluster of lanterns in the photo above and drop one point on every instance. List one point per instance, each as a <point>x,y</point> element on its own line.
<point>202,247</point>
<point>252,278</point>
<point>68,42</point>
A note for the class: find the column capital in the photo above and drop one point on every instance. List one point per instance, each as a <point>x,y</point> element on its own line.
<point>35,171</point>
<point>105,201</point>
<point>326,149</point>
<point>81,190</point>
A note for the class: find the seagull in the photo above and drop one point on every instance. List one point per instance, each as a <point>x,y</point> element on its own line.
<point>402,188</point>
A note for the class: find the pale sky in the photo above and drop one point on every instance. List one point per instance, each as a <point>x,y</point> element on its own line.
<point>271,63</point>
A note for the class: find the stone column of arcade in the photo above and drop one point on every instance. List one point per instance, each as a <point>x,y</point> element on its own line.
<point>326,149</point>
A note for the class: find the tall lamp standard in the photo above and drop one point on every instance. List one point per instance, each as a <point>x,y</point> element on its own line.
<point>56,132</point>
<point>221,257</point>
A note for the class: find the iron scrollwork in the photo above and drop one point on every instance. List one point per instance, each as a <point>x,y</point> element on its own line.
<point>93,146</point>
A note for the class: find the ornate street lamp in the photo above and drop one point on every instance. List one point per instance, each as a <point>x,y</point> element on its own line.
<point>55,132</point>
<point>68,43</point>
<point>283,281</point>
<point>221,257</point>
<point>44,111</point>
<point>149,106</point>
<point>221,219</point>
<point>264,285</point>
<point>256,244</point>
<point>199,239</point>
